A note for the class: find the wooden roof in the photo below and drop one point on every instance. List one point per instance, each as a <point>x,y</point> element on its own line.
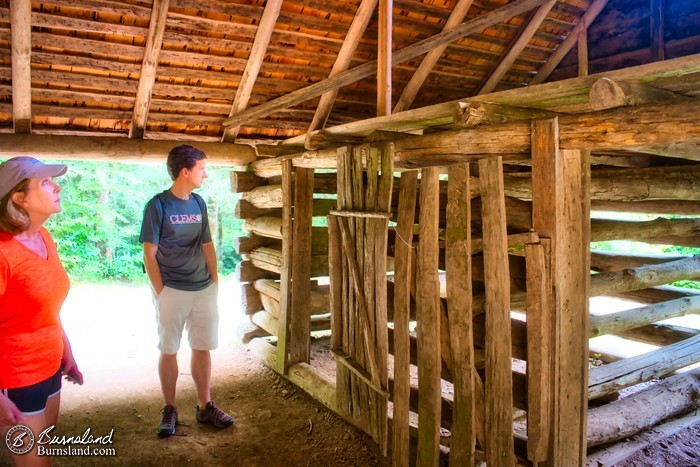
<point>179,69</point>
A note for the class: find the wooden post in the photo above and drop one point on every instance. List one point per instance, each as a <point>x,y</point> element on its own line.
<point>402,309</point>
<point>285,276</point>
<point>300,326</point>
<point>571,282</point>
<point>499,380</point>
<point>459,308</point>
<point>427,310</point>
<point>539,350</point>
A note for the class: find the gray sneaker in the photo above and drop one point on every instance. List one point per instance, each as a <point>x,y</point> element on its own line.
<point>214,415</point>
<point>167,424</point>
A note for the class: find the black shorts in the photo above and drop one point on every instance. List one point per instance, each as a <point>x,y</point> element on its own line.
<point>32,399</point>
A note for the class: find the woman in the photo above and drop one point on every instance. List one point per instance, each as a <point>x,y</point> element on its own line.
<point>34,349</point>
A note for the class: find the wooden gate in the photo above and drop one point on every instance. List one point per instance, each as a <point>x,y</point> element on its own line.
<point>357,262</point>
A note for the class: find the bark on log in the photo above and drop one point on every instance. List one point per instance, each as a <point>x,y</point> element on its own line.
<point>662,206</point>
<point>614,323</point>
<point>610,378</point>
<point>628,416</point>
<point>605,261</point>
<point>607,283</point>
<point>608,94</point>
<point>687,230</point>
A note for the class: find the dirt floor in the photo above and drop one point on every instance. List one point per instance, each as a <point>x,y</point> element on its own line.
<point>112,330</point>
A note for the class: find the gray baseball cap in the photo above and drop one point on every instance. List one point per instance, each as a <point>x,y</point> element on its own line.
<point>14,170</point>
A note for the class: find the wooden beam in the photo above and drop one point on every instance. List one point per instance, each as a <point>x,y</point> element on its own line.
<point>509,57</point>
<point>300,337</point>
<point>459,12</point>
<point>402,302</point>
<point>428,309</point>
<point>499,382</point>
<point>21,20</point>
<point>606,283</point>
<point>368,69</point>
<point>614,323</point>
<point>618,375</point>
<point>113,149</point>
<point>626,128</point>
<point>554,59</point>
<point>539,349</point>
<point>583,53</point>
<point>626,417</point>
<point>342,62</point>
<point>286,271</point>
<point>384,53</point>
<point>459,309</point>
<point>656,27</point>
<point>149,67</point>
<point>608,94</point>
<point>244,90</point>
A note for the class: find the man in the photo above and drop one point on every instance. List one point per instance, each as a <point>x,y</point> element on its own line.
<point>180,261</point>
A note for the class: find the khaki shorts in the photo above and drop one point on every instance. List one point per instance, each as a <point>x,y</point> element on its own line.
<point>196,311</point>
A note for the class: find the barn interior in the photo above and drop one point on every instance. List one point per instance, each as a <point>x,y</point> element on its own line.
<point>426,183</point>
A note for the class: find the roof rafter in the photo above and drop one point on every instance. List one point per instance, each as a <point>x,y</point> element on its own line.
<point>255,60</point>
<point>370,68</point>
<point>426,66</point>
<point>516,48</point>
<point>21,17</point>
<point>352,39</point>
<point>559,54</point>
<point>147,79</point>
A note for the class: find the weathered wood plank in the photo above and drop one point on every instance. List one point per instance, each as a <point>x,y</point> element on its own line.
<point>539,349</point>
<point>499,383</point>
<point>618,375</point>
<point>21,19</point>
<point>459,309</point>
<point>286,271</point>
<point>299,339</point>
<point>402,308</point>
<point>614,323</point>
<point>428,309</point>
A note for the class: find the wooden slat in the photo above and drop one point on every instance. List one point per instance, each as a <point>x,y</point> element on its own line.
<point>583,53</point>
<point>368,69</point>
<point>342,62</point>
<point>618,375</point>
<point>509,57</point>
<point>459,301</point>
<point>299,341</point>
<point>614,323</point>
<point>384,53</point>
<point>255,59</point>
<point>571,278</point>
<point>538,350</point>
<point>286,271</point>
<point>149,66</point>
<point>591,14</point>
<point>431,58</point>
<point>335,269</point>
<point>21,18</point>
<point>402,308</point>
<point>427,310</point>
<point>499,382</point>
<point>656,26</point>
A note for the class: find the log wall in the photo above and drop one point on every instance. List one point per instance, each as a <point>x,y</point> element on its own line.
<point>470,243</point>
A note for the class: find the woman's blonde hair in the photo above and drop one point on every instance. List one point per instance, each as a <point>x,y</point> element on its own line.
<point>13,218</point>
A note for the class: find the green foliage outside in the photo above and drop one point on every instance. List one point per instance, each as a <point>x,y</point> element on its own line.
<point>98,231</point>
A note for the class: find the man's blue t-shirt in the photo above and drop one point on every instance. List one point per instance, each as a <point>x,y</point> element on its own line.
<point>179,228</point>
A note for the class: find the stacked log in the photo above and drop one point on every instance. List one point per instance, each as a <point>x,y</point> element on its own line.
<point>260,207</point>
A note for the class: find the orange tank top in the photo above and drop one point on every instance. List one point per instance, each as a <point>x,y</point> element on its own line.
<point>32,290</point>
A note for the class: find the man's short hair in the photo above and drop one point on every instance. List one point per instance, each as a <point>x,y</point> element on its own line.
<point>183,157</point>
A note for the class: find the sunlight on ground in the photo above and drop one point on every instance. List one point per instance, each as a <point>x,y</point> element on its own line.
<point>112,330</point>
